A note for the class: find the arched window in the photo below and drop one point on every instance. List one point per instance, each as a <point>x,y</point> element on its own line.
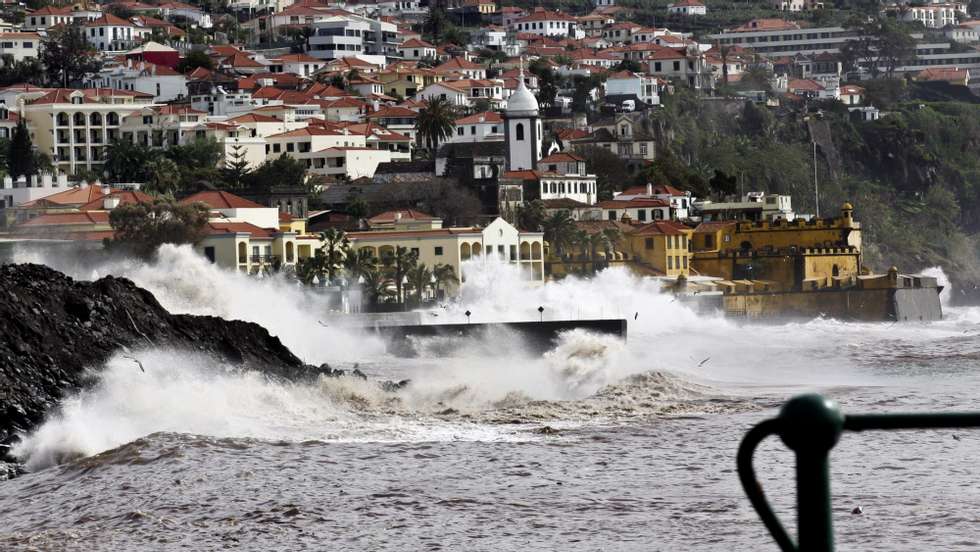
<point>519,131</point>
<point>79,119</point>
<point>95,118</point>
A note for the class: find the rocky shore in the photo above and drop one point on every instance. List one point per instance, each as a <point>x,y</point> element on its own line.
<point>53,330</point>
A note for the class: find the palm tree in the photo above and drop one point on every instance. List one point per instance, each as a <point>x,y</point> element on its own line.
<point>375,285</point>
<point>444,274</point>
<point>419,277</point>
<point>435,122</point>
<point>397,263</point>
<point>360,262</point>
<point>558,229</point>
<point>335,248</point>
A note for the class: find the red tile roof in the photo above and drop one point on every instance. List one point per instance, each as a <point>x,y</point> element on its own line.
<point>63,219</point>
<point>218,228</point>
<point>632,203</point>
<point>400,214</point>
<point>561,157</point>
<point>220,199</point>
<point>124,197</point>
<point>69,197</point>
<point>491,117</point>
<point>668,227</point>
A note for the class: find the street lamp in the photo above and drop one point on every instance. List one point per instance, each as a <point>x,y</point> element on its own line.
<point>541,314</point>
<point>467,313</point>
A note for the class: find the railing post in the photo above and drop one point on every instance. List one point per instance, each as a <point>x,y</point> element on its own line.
<point>811,425</point>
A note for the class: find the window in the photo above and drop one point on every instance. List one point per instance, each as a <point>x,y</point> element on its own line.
<point>685,261</point>
<point>276,148</point>
<point>641,214</point>
<point>709,240</point>
<point>677,262</point>
<point>648,243</point>
<point>438,251</point>
<point>513,252</point>
<point>460,131</point>
<point>6,44</point>
<point>209,253</point>
<point>500,252</point>
<point>472,130</point>
<point>677,66</point>
<point>612,215</point>
<point>519,131</point>
<point>290,147</point>
<point>670,263</point>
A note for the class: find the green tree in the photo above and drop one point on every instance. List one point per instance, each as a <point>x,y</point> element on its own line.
<point>68,57</point>
<point>420,278</point>
<point>397,264</point>
<point>126,161</point>
<point>611,173</point>
<point>531,215</point>
<point>20,156</point>
<point>25,70</point>
<point>281,171</point>
<point>193,60</point>
<point>335,249</point>
<point>375,286</point>
<point>360,262</point>
<point>559,229</point>
<point>162,177</point>
<point>548,82</point>
<point>236,167</point>
<point>444,275</point>
<point>141,228</point>
<point>435,122</point>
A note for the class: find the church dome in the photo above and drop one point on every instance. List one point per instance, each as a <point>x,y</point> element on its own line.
<point>522,101</point>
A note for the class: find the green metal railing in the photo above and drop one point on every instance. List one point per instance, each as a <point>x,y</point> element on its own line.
<point>810,425</point>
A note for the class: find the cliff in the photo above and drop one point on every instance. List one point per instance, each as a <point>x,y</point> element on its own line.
<point>53,329</point>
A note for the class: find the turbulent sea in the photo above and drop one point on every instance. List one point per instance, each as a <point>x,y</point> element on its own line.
<point>596,445</point>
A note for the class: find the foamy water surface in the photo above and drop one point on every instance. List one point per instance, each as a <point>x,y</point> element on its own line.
<point>596,445</point>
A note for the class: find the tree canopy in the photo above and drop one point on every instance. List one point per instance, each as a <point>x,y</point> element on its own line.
<point>68,57</point>
<point>140,228</point>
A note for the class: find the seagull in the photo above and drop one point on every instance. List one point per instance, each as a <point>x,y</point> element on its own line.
<point>433,314</point>
<point>703,362</point>
<point>957,437</point>
<point>857,510</point>
<point>320,322</point>
<point>137,361</point>
<point>637,315</point>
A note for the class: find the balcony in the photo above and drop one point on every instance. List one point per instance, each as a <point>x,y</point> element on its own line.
<point>264,259</point>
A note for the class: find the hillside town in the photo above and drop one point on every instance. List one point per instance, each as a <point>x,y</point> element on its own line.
<point>366,140</point>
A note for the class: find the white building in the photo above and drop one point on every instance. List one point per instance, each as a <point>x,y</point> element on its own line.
<point>479,127</point>
<point>563,176</point>
<point>298,64</point>
<point>113,34</point>
<point>626,83</point>
<point>415,49</point>
<point>638,210</point>
<point>548,23</point>
<point>352,35</point>
<point>161,81</point>
<point>935,16</point>
<point>17,192</point>
<point>20,46</point>
<point>687,7</point>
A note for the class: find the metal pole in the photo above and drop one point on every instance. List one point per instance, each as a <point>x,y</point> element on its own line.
<point>816,189</point>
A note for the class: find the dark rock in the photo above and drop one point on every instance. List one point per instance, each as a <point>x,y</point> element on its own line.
<point>55,328</point>
<point>391,386</point>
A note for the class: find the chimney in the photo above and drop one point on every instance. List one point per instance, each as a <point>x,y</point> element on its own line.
<point>46,180</point>
<point>33,181</point>
<point>62,181</point>
<point>110,203</point>
<point>649,188</point>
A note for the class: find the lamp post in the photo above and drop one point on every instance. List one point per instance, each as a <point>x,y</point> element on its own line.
<point>467,313</point>
<point>541,314</point>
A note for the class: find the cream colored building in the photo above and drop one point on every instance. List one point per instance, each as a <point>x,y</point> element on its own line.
<point>452,246</point>
<point>75,126</point>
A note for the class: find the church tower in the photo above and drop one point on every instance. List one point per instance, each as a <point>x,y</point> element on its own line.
<point>522,128</point>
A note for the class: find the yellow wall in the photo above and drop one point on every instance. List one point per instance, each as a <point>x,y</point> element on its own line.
<point>666,254</point>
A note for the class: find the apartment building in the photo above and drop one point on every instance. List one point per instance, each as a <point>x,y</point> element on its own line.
<point>775,37</point>
<point>74,126</point>
<point>162,82</point>
<point>350,35</point>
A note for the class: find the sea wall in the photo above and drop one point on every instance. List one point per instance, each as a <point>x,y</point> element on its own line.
<point>868,305</point>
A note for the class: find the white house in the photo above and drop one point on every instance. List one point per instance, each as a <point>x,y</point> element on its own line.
<point>187,11</point>
<point>548,23</point>
<point>446,90</point>
<point>352,162</point>
<point>626,83</point>
<point>161,81</point>
<point>479,127</point>
<point>298,64</point>
<point>20,46</point>
<point>415,49</point>
<point>113,34</point>
<point>231,208</point>
<point>563,176</point>
<point>680,202</point>
<point>687,7</point>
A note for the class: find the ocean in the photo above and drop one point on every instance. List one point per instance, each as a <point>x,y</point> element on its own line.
<point>595,445</point>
